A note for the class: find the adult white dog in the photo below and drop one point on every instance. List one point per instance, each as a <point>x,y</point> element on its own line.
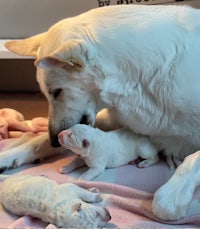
<point>142,64</point>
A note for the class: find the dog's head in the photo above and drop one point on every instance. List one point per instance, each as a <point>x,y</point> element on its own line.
<point>66,72</point>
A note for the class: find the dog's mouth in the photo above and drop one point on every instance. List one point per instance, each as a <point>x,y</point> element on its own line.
<point>85,119</point>
<point>54,141</point>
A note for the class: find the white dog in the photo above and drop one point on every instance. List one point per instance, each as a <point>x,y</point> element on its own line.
<point>122,147</point>
<point>139,62</point>
<point>65,205</point>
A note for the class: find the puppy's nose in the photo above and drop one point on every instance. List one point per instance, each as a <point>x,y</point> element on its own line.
<point>60,135</point>
<point>106,215</point>
<point>64,133</point>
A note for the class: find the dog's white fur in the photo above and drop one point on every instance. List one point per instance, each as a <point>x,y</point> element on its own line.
<point>139,62</point>
<point>122,147</point>
<point>64,205</point>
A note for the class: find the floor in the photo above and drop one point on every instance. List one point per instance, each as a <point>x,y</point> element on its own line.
<point>29,104</point>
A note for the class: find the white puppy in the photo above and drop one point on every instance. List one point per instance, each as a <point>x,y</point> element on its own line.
<point>65,205</point>
<point>141,63</point>
<point>91,144</point>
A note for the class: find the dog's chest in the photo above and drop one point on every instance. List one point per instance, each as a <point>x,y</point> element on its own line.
<point>142,115</point>
<point>169,127</point>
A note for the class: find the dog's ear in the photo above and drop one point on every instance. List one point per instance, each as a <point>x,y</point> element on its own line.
<point>71,55</point>
<point>26,47</point>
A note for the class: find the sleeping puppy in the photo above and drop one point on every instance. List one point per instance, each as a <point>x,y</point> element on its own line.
<point>65,205</point>
<point>91,145</point>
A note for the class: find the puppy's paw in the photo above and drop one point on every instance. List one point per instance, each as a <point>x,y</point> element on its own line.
<point>65,170</point>
<point>97,198</point>
<point>94,190</point>
<point>96,193</point>
<point>173,162</point>
<point>144,164</point>
<point>147,162</point>
<point>87,176</point>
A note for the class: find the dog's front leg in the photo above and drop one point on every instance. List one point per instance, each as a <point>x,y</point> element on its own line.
<point>172,200</point>
<point>29,151</point>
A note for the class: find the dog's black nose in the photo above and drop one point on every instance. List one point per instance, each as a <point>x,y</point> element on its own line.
<point>54,141</point>
<point>85,120</point>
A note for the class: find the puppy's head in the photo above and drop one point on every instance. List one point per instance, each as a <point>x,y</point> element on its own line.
<point>79,214</point>
<point>67,74</point>
<point>81,139</point>
<point>77,207</point>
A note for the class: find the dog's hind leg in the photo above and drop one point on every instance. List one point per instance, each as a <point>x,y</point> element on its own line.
<point>30,151</point>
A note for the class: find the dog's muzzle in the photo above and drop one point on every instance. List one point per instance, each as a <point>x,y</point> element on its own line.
<point>54,141</point>
<point>86,120</point>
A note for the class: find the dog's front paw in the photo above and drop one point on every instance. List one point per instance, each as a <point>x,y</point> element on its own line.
<point>171,201</point>
<point>8,162</point>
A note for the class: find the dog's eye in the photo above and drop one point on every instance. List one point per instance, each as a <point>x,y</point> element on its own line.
<point>57,92</point>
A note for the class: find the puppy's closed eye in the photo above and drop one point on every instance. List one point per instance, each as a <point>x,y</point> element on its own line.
<point>85,143</point>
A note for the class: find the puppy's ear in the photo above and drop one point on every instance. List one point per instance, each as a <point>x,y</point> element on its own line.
<point>26,47</point>
<point>72,55</point>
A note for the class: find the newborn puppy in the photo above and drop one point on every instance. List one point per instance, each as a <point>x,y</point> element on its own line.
<point>91,145</point>
<point>64,205</point>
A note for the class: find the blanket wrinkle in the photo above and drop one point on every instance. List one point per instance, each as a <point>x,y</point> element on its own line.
<point>3,128</point>
<point>22,222</point>
<point>128,207</point>
<point>133,200</point>
<point>127,197</point>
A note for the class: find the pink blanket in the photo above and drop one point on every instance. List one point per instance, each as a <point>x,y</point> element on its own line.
<point>127,190</point>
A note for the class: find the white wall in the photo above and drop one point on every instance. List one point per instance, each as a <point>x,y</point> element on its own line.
<point>23,18</point>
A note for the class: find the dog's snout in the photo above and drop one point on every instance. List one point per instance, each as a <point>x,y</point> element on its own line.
<point>54,141</point>
<point>85,119</point>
